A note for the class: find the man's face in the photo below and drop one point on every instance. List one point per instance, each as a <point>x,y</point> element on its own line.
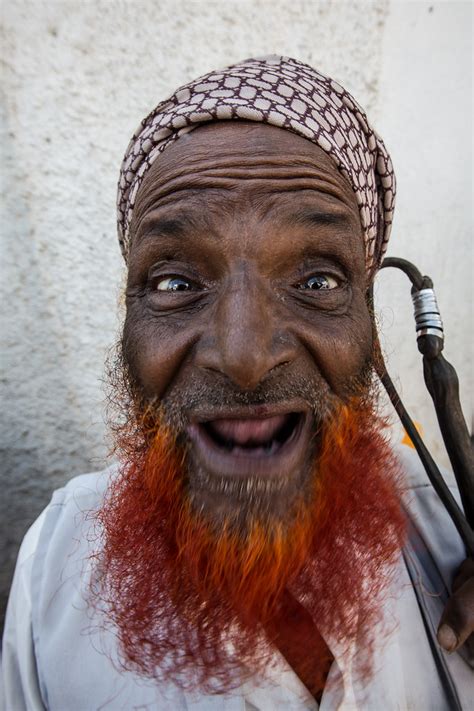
<point>246,308</point>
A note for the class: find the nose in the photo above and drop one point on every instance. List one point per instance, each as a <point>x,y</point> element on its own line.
<point>246,340</point>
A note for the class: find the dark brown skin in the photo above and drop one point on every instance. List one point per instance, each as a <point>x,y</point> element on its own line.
<point>243,215</point>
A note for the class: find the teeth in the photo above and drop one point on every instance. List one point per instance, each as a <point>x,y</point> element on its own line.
<point>266,449</point>
<point>221,432</point>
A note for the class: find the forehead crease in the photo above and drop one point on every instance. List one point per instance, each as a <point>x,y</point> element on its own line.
<point>243,167</point>
<point>263,192</point>
<point>181,211</point>
<point>195,169</point>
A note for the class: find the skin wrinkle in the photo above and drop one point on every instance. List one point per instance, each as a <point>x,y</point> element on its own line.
<point>252,185</point>
<point>176,191</point>
<point>319,168</point>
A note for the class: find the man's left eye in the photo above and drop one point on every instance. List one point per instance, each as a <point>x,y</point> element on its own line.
<point>318,282</point>
<point>174,284</point>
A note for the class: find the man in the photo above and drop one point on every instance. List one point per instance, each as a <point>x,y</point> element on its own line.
<point>250,551</point>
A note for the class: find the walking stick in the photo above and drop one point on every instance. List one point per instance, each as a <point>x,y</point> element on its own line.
<point>443,385</point>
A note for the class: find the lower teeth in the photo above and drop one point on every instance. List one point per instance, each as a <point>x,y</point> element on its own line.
<point>268,448</point>
<point>256,449</point>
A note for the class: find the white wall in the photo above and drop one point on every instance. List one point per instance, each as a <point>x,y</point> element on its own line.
<point>79,76</point>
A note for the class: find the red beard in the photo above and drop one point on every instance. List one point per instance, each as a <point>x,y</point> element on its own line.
<point>191,604</point>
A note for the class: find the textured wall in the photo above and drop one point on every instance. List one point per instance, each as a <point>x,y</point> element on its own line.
<point>78,77</point>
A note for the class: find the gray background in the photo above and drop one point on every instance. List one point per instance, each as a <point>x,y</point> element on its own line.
<point>77,79</point>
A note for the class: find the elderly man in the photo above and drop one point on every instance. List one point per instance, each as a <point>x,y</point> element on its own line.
<point>250,550</point>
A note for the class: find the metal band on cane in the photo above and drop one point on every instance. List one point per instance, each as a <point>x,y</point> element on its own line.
<point>427,315</point>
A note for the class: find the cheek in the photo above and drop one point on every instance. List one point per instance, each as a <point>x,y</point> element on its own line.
<point>341,346</point>
<point>154,351</point>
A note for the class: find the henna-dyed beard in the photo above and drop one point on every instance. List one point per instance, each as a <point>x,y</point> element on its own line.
<point>192,600</point>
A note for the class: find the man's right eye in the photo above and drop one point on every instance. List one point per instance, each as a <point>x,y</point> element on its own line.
<point>174,284</point>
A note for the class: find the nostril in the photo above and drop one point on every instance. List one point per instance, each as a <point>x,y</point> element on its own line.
<point>282,364</point>
<point>211,368</point>
<point>246,375</point>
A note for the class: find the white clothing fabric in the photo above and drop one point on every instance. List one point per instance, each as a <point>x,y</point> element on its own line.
<point>56,657</point>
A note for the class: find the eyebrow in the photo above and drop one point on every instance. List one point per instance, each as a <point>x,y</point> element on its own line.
<point>172,227</point>
<point>180,225</point>
<point>310,217</point>
<point>167,226</point>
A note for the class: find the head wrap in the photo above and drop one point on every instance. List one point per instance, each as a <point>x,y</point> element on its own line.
<point>282,92</point>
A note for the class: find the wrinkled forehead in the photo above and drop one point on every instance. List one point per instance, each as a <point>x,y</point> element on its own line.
<point>242,157</point>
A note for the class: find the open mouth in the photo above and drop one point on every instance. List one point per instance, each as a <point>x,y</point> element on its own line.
<point>253,437</point>
<point>257,442</point>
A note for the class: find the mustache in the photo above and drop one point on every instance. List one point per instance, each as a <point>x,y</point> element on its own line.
<point>215,393</point>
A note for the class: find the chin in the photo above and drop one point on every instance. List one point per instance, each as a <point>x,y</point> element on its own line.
<point>240,502</point>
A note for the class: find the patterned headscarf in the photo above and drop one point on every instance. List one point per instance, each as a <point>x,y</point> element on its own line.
<point>282,92</point>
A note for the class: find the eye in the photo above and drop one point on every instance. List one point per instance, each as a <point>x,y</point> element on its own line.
<point>174,284</point>
<point>318,282</point>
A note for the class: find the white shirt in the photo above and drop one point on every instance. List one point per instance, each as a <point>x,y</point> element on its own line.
<point>56,657</point>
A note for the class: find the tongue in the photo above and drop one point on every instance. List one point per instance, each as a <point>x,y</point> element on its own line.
<point>242,432</point>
